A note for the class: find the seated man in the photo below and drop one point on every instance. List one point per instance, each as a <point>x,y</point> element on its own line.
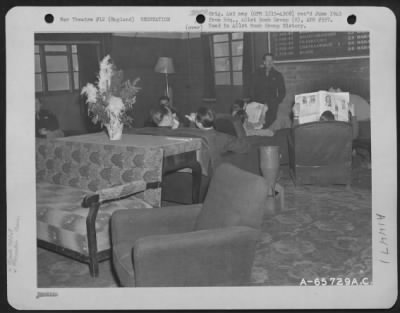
<point>204,119</point>
<point>237,106</point>
<point>46,122</point>
<point>163,117</point>
<point>251,129</point>
<point>164,103</point>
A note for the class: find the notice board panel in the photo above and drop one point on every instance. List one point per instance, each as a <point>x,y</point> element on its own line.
<point>318,45</point>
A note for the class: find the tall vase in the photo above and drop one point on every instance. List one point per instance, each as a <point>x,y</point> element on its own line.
<point>269,164</point>
<point>115,126</point>
<point>114,129</point>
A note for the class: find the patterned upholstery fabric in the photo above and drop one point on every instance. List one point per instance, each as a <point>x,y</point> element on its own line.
<point>68,171</point>
<point>62,220</point>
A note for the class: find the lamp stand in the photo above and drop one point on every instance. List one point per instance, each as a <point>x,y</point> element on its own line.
<point>166,80</point>
<point>168,91</point>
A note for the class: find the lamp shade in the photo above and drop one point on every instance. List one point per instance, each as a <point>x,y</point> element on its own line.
<point>164,65</point>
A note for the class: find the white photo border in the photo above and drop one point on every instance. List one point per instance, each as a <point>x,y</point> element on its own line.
<point>21,25</point>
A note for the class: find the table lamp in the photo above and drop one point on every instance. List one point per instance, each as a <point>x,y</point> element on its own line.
<point>165,66</point>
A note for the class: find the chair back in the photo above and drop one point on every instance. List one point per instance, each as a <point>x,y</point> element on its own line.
<point>364,129</point>
<point>321,152</point>
<point>322,143</point>
<point>234,198</point>
<point>226,123</point>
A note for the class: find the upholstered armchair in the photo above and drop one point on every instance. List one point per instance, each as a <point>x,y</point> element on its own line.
<point>209,244</point>
<point>363,140</point>
<point>321,153</point>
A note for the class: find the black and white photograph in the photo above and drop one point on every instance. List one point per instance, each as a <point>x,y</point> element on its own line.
<point>175,159</point>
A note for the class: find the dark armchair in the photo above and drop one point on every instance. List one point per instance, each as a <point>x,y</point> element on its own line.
<point>321,153</point>
<point>363,140</point>
<point>209,244</point>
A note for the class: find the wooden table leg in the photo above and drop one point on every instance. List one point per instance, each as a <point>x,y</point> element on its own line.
<point>196,181</point>
<point>185,160</point>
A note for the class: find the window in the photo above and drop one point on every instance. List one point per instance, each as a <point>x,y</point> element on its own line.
<point>228,58</point>
<point>56,67</point>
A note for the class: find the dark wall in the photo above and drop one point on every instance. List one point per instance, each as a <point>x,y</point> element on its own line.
<point>191,85</point>
<point>66,106</point>
<point>138,56</point>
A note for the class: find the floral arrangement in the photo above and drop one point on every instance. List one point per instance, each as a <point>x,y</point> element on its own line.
<point>110,100</point>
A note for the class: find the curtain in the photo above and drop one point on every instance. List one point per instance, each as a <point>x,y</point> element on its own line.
<point>88,60</point>
<point>248,64</point>
<point>209,94</point>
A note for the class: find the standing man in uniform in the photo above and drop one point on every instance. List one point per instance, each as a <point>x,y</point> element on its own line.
<point>269,88</point>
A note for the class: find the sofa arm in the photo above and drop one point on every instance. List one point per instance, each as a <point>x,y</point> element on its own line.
<point>93,201</point>
<point>129,225</point>
<point>214,257</point>
<point>124,190</point>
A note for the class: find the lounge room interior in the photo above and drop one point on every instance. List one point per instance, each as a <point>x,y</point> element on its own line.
<point>165,206</point>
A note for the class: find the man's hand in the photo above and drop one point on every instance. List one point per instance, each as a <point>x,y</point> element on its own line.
<point>191,117</point>
<point>43,131</point>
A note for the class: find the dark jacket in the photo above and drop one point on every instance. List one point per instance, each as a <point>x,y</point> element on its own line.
<point>268,89</point>
<point>47,120</point>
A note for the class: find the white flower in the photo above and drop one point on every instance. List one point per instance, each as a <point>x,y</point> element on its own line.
<point>115,106</point>
<point>105,74</point>
<point>91,92</point>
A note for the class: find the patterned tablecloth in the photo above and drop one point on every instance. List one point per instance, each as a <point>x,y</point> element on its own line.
<point>170,145</point>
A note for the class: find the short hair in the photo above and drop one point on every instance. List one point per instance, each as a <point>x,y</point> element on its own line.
<point>327,116</point>
<point>205,117</point>
<point>163,98</point>
<point>158,114</point>
<point>241,115</point>
<point>267,54</point>
<point>240,103</point>
<point>237,105</point>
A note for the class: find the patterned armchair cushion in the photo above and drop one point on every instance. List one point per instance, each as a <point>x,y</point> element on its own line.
<point>61,219</point>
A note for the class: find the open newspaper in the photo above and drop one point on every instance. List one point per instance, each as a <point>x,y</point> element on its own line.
<point>312,105</point>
